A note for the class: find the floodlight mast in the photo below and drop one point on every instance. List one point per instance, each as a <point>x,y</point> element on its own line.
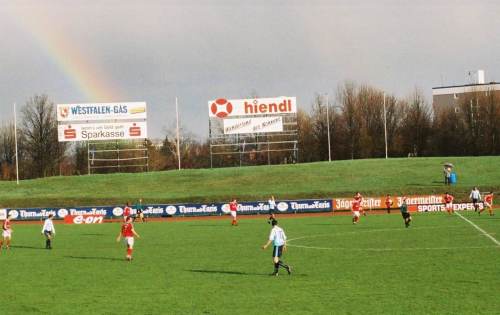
<point>15,140</point>
<point>385,129</point>
<point>177,132</point>
<point>328,129</point>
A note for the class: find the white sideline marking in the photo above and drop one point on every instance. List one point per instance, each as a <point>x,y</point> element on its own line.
<point>479,229</point>
<point>371,231</point>
<point>392,249</point>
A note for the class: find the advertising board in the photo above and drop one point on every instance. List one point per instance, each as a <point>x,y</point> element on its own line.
<point>101,111</point>
<point>253,125</point>
<point>379,202</point>
<point>162,210</point>
<point>102,131</point>
<point>222,108</point>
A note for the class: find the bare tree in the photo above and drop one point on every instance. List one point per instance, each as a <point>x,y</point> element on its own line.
<point>351,119</point>
<point>416,125</point>
<point>42,151</point>
<point>7,151</point>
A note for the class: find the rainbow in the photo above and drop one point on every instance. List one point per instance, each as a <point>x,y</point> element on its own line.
<point>84,75</point>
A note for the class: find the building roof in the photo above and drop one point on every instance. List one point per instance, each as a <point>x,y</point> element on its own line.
<point>466,88</point>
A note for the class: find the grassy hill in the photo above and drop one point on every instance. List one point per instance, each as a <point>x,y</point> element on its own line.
<point>338,178</point>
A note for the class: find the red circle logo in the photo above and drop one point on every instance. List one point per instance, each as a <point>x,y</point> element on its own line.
<point>221,108</point>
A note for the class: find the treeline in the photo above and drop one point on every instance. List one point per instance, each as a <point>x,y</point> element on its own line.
<point>356,124</point>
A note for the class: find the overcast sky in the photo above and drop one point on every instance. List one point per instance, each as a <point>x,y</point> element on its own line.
<point>200,50</point>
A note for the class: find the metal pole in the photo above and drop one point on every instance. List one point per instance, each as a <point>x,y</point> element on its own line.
<point>15,140</point>
<point>385,129</point>
<point>471,118</point>
<point>210,140</point>
<point>328,129</point>
<point>88,158</point>
<point>178,140</point>
<point>268,153</point>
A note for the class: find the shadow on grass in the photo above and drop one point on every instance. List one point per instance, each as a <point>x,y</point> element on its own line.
<point>227,272</point>
<point>28,247</point>
<point>434,184</point>
<point>240,273</point>
<point>486,217</point>
<point>208,225</point>
<point>94,258</point>
<point>328,223</point>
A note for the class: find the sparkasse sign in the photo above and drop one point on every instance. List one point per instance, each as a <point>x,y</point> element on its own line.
<point>101,111</point>
<point>221,107</point>
<point>102,131</point>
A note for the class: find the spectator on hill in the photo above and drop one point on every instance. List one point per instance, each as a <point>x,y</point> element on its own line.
<point>447,175</point>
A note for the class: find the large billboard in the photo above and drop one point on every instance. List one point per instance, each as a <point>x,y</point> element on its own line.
<point>101,111</point>
<point>102,131</point>
<point>222,108</point>
<point>102,121</point>
<point>253,125</point>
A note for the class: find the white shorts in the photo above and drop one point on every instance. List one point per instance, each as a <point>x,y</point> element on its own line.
<point>7,234</point>
<point>486,204</point>
<point>355,214</point>
<point>449,206</point>
<point>129,241</point>
<point>233,214</point>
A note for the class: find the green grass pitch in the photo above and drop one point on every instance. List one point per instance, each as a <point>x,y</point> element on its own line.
<point>440,265</point>
<point>372,177</point>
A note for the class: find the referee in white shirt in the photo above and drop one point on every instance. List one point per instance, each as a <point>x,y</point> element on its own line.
<point>278,238</point>
<point>49,231</point>
<point>475,196</point>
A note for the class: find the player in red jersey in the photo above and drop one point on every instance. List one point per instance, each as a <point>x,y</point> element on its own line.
<point>448,200</point>
<point>388,203</point>
<point>126,211</point>
<point>488,203</point>
<point>359,198</point>
<point>233,207</point>
<point>128,233</point>
<point>6,233</point>
<point>355,208</point>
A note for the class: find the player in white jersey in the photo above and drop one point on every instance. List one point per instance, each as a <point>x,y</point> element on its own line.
<point>49,231</point>
<point>272,207</point>
<point>278,238</point>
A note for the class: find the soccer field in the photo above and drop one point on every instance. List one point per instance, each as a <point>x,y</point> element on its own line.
<point>441,265</point>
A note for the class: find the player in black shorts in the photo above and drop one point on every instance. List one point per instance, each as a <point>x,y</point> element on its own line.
<point>278,239</point>
<point>272,206</point>
<point>404,212</point>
